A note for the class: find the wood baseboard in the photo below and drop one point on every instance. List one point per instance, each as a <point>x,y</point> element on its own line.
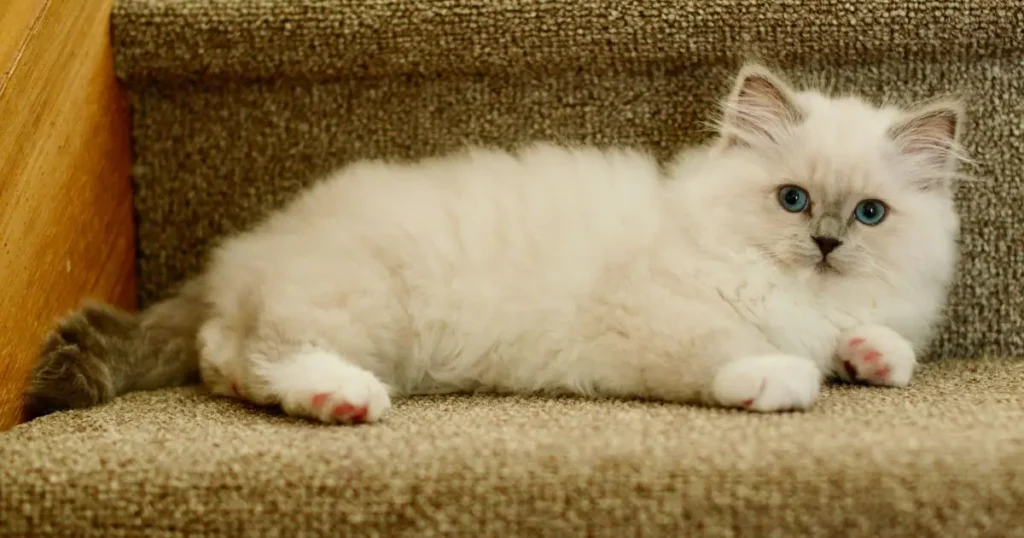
<point>66,217</point>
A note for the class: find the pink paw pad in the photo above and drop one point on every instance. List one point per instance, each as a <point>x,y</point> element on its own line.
<point>349,411</point>
<point>875,355</point>
<point>749,402</point>
<point>319,399</point>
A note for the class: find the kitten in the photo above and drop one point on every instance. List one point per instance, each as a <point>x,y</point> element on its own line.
<point>814,237</point>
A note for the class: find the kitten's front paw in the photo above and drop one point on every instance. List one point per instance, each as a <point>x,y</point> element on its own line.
<point>767,383</point>
<point>877,355</point>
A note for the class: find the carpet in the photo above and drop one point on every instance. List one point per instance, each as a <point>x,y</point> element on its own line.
<point>944,457</point>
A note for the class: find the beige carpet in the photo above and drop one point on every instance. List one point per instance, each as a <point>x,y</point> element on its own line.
<point>943,458</point>
<point>320,39</point>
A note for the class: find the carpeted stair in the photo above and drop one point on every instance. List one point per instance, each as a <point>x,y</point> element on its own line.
<point>239,103</point>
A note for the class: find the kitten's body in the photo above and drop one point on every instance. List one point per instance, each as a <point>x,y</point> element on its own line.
<point>585,271</point>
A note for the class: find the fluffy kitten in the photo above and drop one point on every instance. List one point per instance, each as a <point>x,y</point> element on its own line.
<point>815,237</point>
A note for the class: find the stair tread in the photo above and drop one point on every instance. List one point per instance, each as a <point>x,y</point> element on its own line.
<point>258,39</point>
<point>945,456</point>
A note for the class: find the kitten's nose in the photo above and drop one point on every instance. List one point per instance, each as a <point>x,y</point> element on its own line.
<point>826,244</point>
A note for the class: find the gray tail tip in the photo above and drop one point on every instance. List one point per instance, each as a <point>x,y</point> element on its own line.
<point>74,369</point>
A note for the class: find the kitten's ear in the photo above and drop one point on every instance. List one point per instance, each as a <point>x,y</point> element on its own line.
<point>930,136</point>
<point>761,108</point>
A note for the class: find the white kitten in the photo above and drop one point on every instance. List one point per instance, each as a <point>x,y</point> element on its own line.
<point>815,237</point>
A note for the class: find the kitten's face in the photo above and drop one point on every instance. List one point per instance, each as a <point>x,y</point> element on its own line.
<point>838,187</point>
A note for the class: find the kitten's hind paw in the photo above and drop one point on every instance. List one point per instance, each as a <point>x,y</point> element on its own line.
<point>324,387</point>
<point>767,383</point>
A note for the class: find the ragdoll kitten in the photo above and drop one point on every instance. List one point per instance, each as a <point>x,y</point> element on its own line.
<point>815,237</point>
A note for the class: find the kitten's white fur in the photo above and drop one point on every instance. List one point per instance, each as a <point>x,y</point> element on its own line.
<point>598,272</point>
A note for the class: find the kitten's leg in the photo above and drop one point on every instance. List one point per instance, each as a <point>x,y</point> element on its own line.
<point>731,368</point>
<point>770,382</point>
<point>321,385</point>
<point>876,355</point>
<point>314,362</point>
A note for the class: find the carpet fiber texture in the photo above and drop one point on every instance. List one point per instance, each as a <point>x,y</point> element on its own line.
<point>259,39</point>
<point>944,457</point>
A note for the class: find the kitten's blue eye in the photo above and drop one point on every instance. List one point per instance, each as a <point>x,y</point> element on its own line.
<point>793,199</point>
<point>870,212</point>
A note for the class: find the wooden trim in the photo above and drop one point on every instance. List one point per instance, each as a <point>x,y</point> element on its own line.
<point>66,217</point>
<point>18,20</point>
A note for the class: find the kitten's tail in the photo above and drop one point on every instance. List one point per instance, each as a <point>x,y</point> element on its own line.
<point>100,352</point>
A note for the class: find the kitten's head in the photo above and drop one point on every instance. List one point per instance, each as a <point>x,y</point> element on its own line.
<point>837,186</point>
